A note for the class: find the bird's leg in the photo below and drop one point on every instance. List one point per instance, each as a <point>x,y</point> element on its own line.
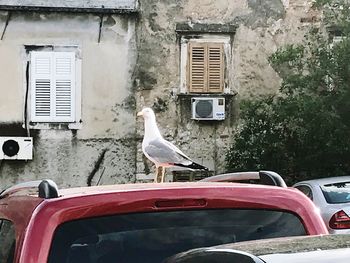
<point>156,174</point>
<point>158,177</point>
<point>163,174</point>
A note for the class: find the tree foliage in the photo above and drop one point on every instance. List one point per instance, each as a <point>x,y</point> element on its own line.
<point>304,130</point>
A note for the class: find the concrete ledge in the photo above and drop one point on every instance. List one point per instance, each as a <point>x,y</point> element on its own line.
<point>190,28</point>
<point>76,6</point>
<point>150,177</point>
<point>145,177</point>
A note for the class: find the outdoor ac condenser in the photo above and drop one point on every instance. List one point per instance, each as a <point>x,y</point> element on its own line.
<point>204,108</point>
<point>16,148</point>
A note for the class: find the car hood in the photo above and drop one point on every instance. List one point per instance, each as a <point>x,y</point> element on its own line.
<point>305,249</point>
<point>323,256</point>
<point>291,244</point>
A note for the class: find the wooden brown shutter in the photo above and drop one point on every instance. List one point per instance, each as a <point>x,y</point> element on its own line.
<point>215,68</point>
<point>197,68</point>
<point>205,68</point>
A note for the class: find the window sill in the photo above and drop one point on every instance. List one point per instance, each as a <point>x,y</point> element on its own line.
<point>55,126</point>
<point>204,95</point>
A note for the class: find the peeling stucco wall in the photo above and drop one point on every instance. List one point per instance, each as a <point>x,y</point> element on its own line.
<point>107,104</point>
<point>71,162</point>
<point>262,27</point>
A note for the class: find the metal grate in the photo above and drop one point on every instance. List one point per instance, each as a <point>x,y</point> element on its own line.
<point>204,108</point>
<point>190,176</point>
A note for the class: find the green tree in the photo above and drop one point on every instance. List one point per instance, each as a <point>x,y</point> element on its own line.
<point>304,130</point>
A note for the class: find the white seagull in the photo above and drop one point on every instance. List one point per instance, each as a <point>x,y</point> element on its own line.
<point>161,152</point>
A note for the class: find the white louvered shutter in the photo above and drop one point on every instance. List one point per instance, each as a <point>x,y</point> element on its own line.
<point>53,86</point>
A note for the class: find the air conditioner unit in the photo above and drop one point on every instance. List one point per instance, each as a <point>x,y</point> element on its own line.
<point>16,148</point>
<point>204,108</point>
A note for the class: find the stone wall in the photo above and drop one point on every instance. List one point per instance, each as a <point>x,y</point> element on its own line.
<point>261,27</point>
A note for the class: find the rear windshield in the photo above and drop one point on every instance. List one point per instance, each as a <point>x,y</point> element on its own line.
<point>151,237</point>
<point>336,193</point>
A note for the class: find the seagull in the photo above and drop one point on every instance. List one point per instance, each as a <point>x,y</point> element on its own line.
<point>160,151</point>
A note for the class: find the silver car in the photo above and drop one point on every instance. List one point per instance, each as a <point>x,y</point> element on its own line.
<point>314,249</point>
<point>332,196</point>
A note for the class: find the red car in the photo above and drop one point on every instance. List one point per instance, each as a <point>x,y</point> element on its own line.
<point>144,222</point>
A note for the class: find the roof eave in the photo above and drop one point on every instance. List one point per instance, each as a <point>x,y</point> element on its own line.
<point>94,10</point>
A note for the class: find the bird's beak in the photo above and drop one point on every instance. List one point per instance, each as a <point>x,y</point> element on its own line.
<point>139,114</point>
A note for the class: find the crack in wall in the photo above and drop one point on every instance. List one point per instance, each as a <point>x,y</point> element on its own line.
<point>100,29</point>
<point>9,14</point>
<point>96,167</point>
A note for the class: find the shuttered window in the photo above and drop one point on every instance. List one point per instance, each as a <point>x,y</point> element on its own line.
<point>206,68</point>
<point>53,86</point>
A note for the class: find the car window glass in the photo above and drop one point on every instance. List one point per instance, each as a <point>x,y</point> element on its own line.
<point>152,237</point>
<point>336,193</point>
<point>7,241</point>
<point>306,190</point>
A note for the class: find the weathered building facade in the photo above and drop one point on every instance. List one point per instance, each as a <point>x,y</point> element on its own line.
<point>74,74</point>
<point>170,35</point>
<point>65,81</point>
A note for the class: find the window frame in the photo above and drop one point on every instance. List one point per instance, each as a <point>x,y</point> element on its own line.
<point>56,123</point>
<point>205,39</point>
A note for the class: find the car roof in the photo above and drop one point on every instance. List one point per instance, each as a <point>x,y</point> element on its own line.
<point>143,197</point>
<point>148,195</point>
<point>326,180</point>
<point>243,195</point>
<point>31,188</point>
<point>251,194</point>
<point>105,200</point>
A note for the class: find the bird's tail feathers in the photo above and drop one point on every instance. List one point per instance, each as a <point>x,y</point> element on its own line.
<point>193,165</point>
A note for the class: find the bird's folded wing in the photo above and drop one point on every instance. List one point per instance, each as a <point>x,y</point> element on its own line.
<point>164,152</point>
